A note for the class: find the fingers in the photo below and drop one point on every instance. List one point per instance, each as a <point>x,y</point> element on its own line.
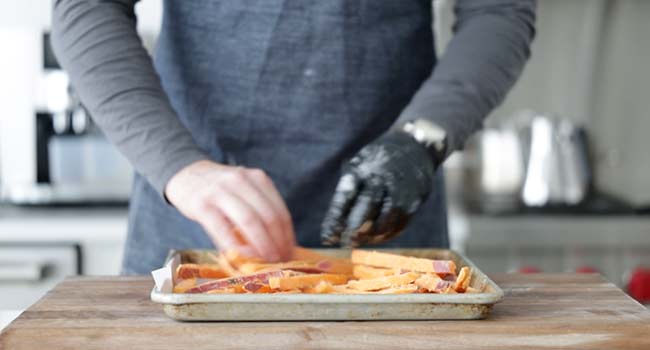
<point>336,217</point>
<point>361,220</point>
<point>222,197</point>
<point>251,225</point>
<point>273,218</point>
<point>391,221</point>
<point>218,227</point>
<point>266,188</point>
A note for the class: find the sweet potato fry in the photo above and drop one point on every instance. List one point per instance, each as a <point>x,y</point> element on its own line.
<point>225,265</point>
<point>449,290</point>
<point>185,271</point>
<point>301,266</point>
<point>184,285</point>
<point>236,259</point>
<point>257,287</point>
<point>386,260</point>
<point>231,290</point>
<point>323,287</point>
<point>236,281</point>
<point>364,272</point>
<point>336,266</point>
<point>291,291</point>
<point>432,283</point>
<point>305,281</point>
<point>326,263</point>
<point>462,282</point>
<point>403,289</point>
<point>324,266</point>
<point>383,282</point>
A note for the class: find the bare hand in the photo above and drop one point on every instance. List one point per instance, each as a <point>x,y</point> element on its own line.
<point>225,198</point>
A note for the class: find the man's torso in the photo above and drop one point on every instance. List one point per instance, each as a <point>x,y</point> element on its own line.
<point>294,88</point>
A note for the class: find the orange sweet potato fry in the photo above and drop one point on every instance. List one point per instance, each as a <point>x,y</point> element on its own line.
<point>326,263</point>
<point>184,285</point>
<point>230,290</point>
<point>290,265</point>
<point>403,289</point>
<point>305,281</point>
<point>238,281</point>
<point>431,283</point>
<point>291,291</point>
<point>363,272</point>
<point>462,282</point>
<point>323,287</point>
<point>383,282</point>
<point>226,266</point>
<point>211,271</point>
<point>336,266</point>
<point>185,271</point>
<point>257,287</point>
<point>386,260</point>
<point>449,290</point>
<point>324,266</point>
<point>236,260</point>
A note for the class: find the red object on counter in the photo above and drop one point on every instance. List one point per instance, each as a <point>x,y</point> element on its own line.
<point>529,269</point>
<point>639,285</point>
<point>587,269</point>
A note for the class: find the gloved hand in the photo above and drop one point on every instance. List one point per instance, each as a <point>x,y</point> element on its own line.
<point>380,189</point>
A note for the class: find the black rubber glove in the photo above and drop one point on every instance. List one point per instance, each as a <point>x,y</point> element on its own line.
<point>380,189</point>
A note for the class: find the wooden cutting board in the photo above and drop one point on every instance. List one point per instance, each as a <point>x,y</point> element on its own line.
<point>541,311</point>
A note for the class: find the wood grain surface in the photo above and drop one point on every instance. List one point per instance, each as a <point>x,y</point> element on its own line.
<point>541,311</point>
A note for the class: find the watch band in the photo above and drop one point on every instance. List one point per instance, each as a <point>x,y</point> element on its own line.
<point>430,135</point>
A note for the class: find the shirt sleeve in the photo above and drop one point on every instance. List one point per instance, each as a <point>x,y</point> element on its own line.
<point>97,44</point>
<point>484,58</point>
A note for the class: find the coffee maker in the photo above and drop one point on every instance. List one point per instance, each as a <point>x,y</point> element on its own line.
<point>53,153</point>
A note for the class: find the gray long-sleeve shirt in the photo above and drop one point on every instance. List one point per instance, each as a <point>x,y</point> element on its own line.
<point>96,42</point>
<point>294,87</point>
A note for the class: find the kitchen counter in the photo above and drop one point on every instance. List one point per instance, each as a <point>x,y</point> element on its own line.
<point>539,311</point>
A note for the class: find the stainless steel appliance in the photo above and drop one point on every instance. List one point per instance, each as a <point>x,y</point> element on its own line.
<point>53,153</point>
<point>557,170</point>
<point>532,161</point>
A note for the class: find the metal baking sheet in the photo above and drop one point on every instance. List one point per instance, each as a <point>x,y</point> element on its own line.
<point>297,307</point>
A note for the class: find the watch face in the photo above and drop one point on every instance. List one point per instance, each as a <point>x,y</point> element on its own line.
<point>430,135</point>
<point>426,132</point>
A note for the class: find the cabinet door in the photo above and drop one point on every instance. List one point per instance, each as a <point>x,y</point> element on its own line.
<point>29,270</point>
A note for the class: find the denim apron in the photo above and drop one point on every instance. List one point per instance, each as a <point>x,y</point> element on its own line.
<point>293,87</point>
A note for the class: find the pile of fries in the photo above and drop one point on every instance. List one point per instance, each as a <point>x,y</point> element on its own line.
<point>366,272</point>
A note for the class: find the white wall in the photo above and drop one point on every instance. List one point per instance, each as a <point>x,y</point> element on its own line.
<point>589,64</point>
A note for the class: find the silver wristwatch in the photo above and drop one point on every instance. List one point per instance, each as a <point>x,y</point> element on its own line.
<point>430,135</point>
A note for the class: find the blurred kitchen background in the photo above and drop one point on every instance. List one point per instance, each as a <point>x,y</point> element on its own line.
<point>558,181</point>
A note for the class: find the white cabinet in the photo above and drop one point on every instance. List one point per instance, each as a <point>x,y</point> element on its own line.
<point>27,271</point>
<point>41,246</point>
